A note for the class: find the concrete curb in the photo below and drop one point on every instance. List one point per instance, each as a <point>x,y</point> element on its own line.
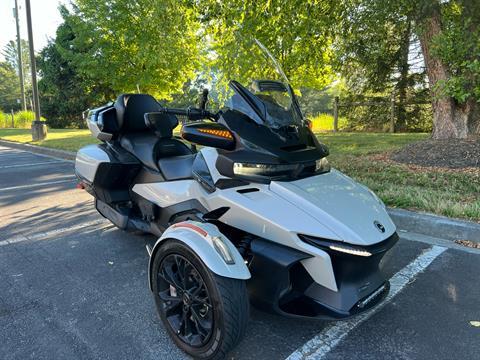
<point>62,154</point>
<point>414,222</point>
<point>434,225</point>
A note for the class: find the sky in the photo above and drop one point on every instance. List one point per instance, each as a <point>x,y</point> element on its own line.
<point>45,19</point>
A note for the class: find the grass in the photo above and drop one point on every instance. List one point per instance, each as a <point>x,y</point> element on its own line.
<point>364,157</point>
<point>324,122</point>
<point>64,139</point>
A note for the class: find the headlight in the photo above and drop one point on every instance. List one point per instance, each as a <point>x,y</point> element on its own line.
<point>247,169</point>
<point>322,165</point>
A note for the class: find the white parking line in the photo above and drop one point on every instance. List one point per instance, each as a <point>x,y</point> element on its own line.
<point>46,234</point>
<point>72,177</point>
<point>324,342</point>
<point>30,164</point>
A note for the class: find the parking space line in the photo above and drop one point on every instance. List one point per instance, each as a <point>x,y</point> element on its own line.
<point>319,346</point>
<point>30,164</point>
<point>46,234</point>
<point>72,177</point>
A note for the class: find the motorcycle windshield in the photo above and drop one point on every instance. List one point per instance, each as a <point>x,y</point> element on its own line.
<point>245,77</point>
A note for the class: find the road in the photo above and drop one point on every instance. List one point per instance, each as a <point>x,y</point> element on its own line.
<point>74,287</point>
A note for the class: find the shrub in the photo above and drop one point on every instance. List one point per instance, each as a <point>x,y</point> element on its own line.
<point>21,119</point>
<point>3,120</point>
<point>324,122</point>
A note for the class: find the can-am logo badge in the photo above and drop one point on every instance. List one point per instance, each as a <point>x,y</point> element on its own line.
<point>379,226</point>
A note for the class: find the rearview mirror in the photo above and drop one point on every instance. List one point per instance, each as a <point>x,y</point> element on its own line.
<point>209,134</point>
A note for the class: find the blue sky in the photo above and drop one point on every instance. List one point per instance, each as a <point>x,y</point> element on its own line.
<point>45,19</point>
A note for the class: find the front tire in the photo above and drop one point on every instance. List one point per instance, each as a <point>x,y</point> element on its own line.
<point>205,314</point>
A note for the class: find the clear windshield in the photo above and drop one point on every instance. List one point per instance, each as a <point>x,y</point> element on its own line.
<point>242,75</point>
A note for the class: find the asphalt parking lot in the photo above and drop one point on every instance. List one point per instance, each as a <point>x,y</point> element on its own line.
<point>74,287</point>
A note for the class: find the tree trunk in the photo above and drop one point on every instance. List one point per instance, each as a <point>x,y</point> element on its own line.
<point>450,119</point>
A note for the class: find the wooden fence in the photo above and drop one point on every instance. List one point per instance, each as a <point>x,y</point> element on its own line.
<point>390,102</point>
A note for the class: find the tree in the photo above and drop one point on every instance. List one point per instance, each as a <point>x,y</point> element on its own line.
<point>449,33</point>
<point>149,45</point>
<point>10,52</point>
<point>375,46</point>
<point>296,32</point>
<point>9,88</point>
<point>65,92</point>
<point>374,35</point>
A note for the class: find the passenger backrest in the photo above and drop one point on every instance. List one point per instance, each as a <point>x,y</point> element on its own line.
<point>131,109</point>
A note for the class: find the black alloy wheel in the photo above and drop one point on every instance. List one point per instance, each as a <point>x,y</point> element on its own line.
<point>205,314</point>
<point>186,302</point>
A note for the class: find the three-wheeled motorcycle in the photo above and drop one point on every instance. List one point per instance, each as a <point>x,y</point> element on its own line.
<point>255,215</point>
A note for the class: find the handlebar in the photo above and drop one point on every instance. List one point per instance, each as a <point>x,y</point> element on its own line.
<point>191,113</point>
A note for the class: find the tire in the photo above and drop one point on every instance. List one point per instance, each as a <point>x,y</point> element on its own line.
<point>222,309</point>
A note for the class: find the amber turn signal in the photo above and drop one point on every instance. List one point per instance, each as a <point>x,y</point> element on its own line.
<point>221,133</point>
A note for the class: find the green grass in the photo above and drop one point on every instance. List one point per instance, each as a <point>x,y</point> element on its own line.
<point>65,139</point>
<point>366,143</point>
<point>324,122</point>
<point>363,156</point>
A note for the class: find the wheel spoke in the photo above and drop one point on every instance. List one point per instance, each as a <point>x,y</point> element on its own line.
<point>172,308</point>
<point>164,295</point>
<point>183,324</point>
<point>181,270</point>
<point>169,277</point>
<point>202,301</point>
<point>203,326</point>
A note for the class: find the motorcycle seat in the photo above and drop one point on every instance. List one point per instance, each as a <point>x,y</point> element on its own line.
<point>177,167</point>
<point>149,149</point>
<point>138,138</point>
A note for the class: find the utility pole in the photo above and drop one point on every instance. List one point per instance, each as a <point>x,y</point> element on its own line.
<point>39,129</point>
<point>20,62</point>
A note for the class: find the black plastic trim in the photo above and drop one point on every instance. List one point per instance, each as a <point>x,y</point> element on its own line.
<point>269,268</point>
<point>227,183</point>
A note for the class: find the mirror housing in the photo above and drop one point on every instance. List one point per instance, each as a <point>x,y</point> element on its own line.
<point>209,134</point>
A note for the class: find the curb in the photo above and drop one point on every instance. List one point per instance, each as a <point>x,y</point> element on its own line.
<point>405,220</point>
<point>435,225</point>
<point>62,154</point>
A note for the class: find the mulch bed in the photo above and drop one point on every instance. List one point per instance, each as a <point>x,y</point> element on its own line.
<point>452,153</point>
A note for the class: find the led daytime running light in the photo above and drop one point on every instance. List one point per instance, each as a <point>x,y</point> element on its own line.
<point>350,251</point>
<point>262,169</point>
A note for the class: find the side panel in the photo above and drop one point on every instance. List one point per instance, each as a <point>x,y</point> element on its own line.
<point>109,169</point>
<point>88,159</point>
<point>202,243</point>
<point>265,214</point>
<point>168,193</point>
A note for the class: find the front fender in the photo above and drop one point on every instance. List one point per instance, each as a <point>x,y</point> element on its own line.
<point>200,238</point>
